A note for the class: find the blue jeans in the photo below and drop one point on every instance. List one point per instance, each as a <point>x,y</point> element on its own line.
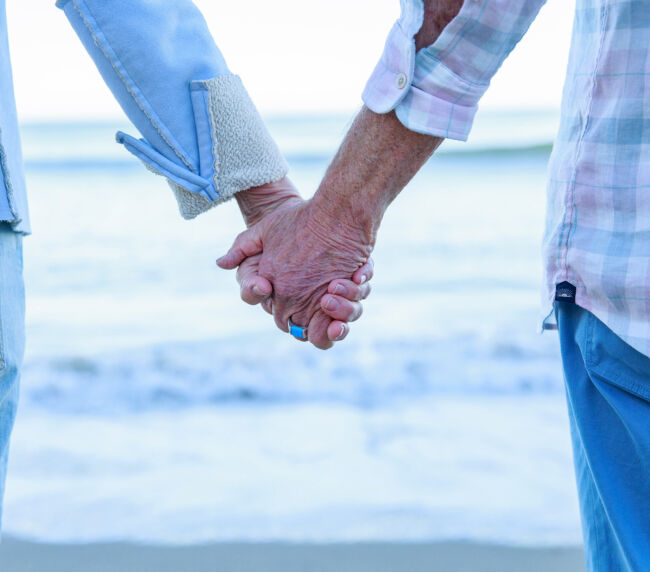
<point>12,337</point>
<point>608,393</point>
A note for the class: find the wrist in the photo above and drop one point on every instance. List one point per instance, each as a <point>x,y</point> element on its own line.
<point>257,202</point>
<point>341,202</point>
<point>336,225</point>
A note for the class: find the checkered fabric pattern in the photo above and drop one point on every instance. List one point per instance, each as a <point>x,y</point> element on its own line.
<point>437,90</point>
<point>598,216</point>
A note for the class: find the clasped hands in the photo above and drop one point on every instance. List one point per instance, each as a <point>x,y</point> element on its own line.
<point>300,263</point>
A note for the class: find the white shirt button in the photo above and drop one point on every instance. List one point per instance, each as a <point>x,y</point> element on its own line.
<point>401,81</point>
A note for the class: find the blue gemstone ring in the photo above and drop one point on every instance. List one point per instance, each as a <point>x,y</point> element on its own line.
<point>297,332</point>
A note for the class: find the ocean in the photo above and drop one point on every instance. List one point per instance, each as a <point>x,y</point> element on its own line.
<point>157,407</point>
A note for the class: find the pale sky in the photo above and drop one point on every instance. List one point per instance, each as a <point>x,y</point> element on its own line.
<point>293,55</point>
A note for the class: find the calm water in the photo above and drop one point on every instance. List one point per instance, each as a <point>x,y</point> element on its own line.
<point>155,406</point>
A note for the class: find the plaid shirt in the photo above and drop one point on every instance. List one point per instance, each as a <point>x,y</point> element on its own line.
<point>598,216</point>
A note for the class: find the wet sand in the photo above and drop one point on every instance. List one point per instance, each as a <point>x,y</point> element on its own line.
<point>23,556</point>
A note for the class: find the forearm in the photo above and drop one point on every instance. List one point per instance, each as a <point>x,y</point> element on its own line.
<point>378,157</point>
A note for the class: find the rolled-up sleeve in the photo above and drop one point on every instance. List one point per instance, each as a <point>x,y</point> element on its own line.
<point>199,127</point>
<point>437,90</point>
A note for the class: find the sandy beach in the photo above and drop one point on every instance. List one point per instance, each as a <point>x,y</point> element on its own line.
<point>22,556</point>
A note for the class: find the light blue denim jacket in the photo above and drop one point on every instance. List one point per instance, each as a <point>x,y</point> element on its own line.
<point>13,202</point>
<point>199,128</point>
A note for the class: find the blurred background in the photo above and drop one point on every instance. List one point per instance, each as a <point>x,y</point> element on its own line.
<point>156,407</point>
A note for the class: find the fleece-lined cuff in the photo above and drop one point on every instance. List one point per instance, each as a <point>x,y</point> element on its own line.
<point>236,151</point>
<point>245,154</point>
<point>204,136</point>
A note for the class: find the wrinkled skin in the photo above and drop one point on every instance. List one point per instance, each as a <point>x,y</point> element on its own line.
<point>300,248</point>
<point>318,269</point>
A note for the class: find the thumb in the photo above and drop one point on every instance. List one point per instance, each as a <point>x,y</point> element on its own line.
<point>247,244</point>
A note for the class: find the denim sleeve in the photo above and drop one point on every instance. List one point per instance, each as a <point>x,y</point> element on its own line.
<point>437,90</point>
<point>199,127</point>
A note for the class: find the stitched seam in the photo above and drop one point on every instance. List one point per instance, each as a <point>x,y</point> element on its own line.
<point>214,151</point>
<point>568,218</point>
<point>156,171</point>
<point>216,157</point>
<point>180,154</point>
<point>635,389</point>
<point>611,378</point>
<point>617,379</point>
<point>589,338</point>
<point>604,187</point>
<point>3,364</point>
<point>7,179</point>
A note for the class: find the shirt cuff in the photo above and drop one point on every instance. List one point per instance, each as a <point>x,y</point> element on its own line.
<point>389,83</point>
<point>439,102</point>
<point>426,95</point>
<point>236,151</point>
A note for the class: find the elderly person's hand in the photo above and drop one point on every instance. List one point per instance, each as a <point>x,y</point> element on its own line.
<point>316,268</point>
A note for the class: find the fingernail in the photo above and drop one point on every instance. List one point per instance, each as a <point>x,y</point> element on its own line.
<point>342,332</point>
<point>363,278</point>
<point>340,290</point>
<point>257,291</point>
<point>331,304</point>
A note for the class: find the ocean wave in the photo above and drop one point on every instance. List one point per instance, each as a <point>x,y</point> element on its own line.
<point>302,139</point>
<point>185,375</point>
<point>316,157</point>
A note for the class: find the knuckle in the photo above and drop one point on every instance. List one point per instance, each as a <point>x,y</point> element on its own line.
<point>356,312</point>
<point>351,309</point>
<point>323,345</point>
<point>247,297</point>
